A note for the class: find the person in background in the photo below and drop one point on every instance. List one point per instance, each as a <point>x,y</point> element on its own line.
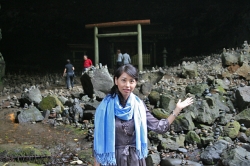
<point>126,58</point>
<point>119,59</point>
<point>87,63</point>
<point>69,72</point>
<point>121,122</point>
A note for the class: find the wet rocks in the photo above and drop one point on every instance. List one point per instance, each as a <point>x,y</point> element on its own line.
<point>212,153</point>
<point>237,156</point>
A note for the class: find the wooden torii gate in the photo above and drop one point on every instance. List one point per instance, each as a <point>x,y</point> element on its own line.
<point>119,23</point>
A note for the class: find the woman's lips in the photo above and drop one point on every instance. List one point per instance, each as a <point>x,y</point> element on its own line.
<point>126,90</point>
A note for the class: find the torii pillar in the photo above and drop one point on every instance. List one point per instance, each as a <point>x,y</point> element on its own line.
<point>120,23</point>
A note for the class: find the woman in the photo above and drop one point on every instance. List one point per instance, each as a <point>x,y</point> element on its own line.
<point>121,122</point>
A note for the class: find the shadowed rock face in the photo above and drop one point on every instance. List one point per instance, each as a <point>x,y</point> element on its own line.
<point>98,79</point>
<point>87,85</point>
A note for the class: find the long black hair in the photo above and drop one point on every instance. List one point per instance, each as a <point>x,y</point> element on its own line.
<point>130,70</point>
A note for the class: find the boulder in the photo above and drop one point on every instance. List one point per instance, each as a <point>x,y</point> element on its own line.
<point>30,115</point>
<point>34,95</point>
<point>211,154</point>
<point>243,97</point>
<point>205,111</point>
<point>153,159</point>
<point>206,140</point>
<point>192,137</point>
<point>154,97</point>
<point>168,143</point>
<point>244,117</point>
<point>50,102</point>
<point>160,113</point>
<point>151,77</point>
<point>167,102</point>
<point>196,89</point>
<point>232,129</point>
<point>244,71</point>
<point>229,58</point>
<point>190,70</point>
<point>221,83</point>
<point>146,88</point>
<point>243,138</point>
<point>98,79</point>
<point>183,122</point>
<point>235,156</point>
<point>176,161</point>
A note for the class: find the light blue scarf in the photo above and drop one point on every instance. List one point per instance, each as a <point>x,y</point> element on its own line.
<point>104,135</point>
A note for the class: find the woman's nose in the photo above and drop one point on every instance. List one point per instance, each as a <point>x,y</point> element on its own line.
<point>127,83</point>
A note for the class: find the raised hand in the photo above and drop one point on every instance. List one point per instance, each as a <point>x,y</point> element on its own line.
<point>182,104</point>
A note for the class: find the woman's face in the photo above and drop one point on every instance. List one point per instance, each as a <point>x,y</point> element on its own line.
<point>126,84</point>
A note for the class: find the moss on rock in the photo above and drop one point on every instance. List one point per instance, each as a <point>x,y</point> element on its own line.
<point>192,137</point>
<point>154,97</point>
<point>50,102</point>
<point>160,113</point>
<point>19,151</point>
<point>232,129</point>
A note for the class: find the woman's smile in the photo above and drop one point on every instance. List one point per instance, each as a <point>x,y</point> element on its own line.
<point>126,84</point>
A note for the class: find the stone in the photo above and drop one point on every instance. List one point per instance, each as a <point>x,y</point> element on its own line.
<point>247,132</point>
<point>211,154</point>
<point>30,115</point>
<point>244,71</point>
<point>242,137</point>
<point>98,79</point>
<point>243,97</point>
<point>33,95</point>
<point>76,111</point>
<point>235,156</point>
<point>244,117</point>
<point>63,99</point>
<point>176,161</point>
<point>146,88</point>
<point>229,58</point>
<point>192,137</point>
<point>50,102</point>
<point>205,140</point>
<point>196,89</point>
<point>160,113</point>
<point>153,159</point>
<point>221,83</point>
<point>152,78</point>
<point>154,97</point>
<point>232,129</point>
<point>183,122</point>
<point>167,102</point>
<point>168,143</point>
<point>190,70</point>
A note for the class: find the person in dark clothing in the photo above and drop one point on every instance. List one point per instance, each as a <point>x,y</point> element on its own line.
<point>69,71</point>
